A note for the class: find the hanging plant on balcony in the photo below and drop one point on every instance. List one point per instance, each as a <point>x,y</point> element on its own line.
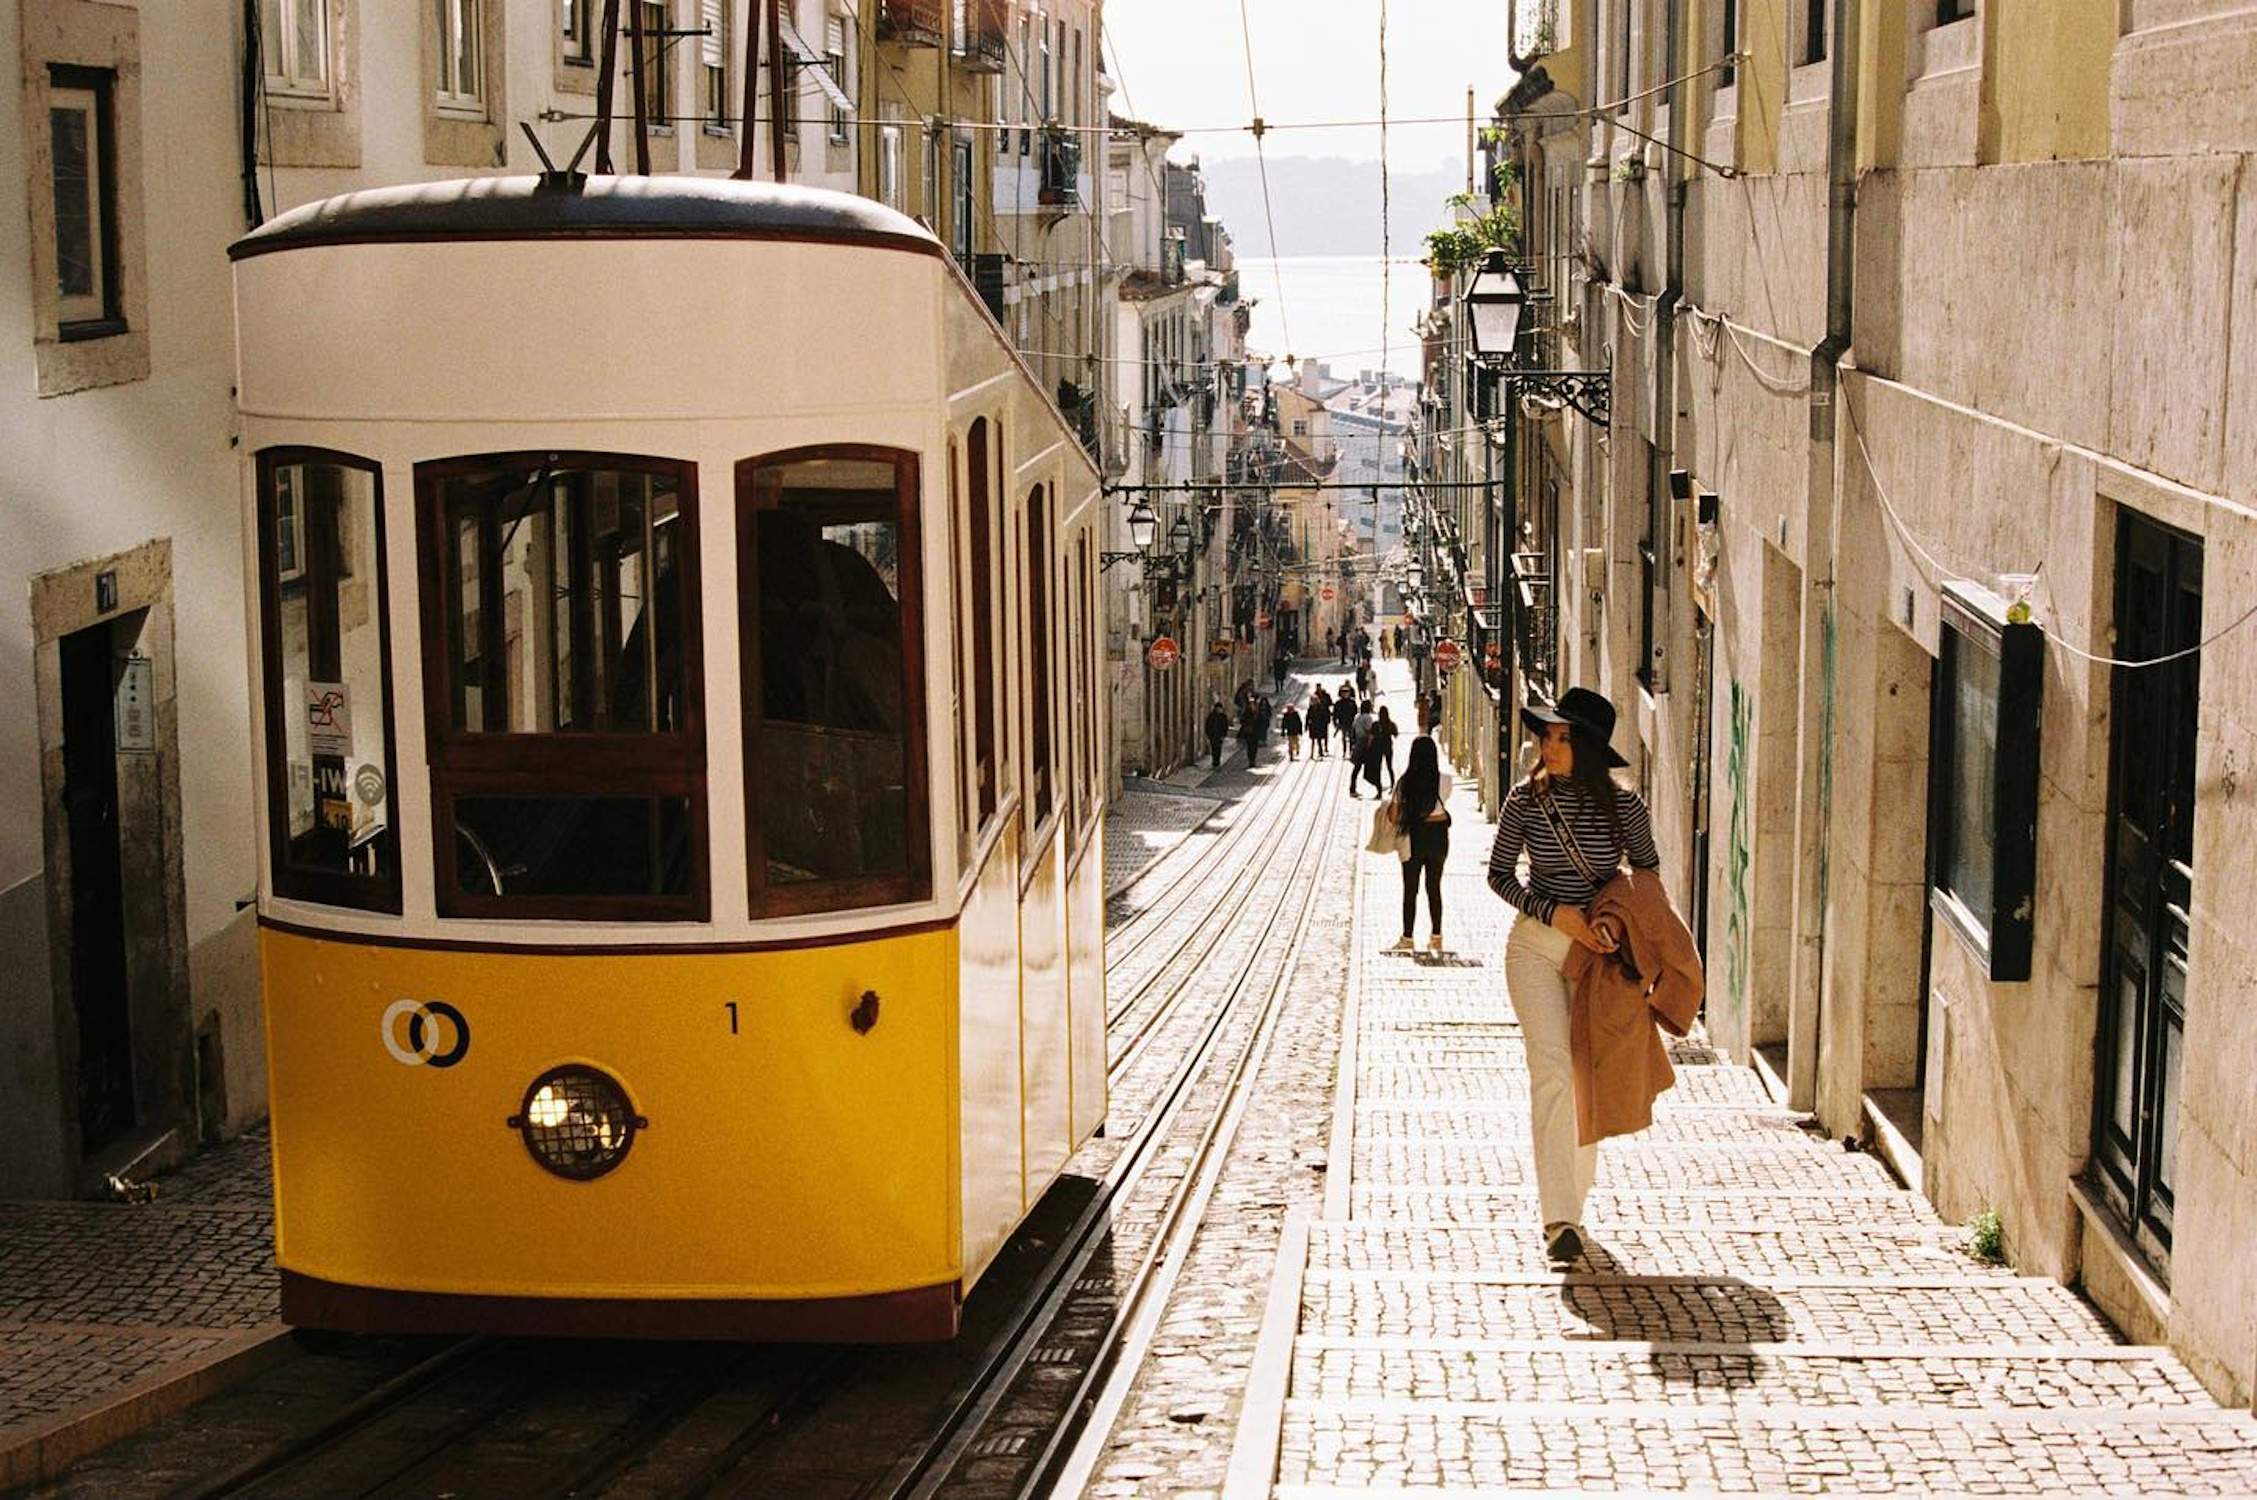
<point>1461,246</point>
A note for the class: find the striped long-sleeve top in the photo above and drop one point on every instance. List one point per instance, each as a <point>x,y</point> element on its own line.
<point>1552,876</point>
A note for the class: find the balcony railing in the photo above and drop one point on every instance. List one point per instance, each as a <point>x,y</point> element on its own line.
<point>913,23</point>
<point>1061,168</point>
<point>987,35</point>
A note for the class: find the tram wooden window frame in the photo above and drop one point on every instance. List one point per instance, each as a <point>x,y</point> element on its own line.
<point>291,882</point>
<point>863,891</point>
<point>584,763</point>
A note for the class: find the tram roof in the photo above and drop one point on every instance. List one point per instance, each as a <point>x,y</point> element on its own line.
<point>601,207</point>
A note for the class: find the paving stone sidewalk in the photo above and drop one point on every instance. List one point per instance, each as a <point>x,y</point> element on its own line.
<point>1759,1311</point>
<point>112,1313</point>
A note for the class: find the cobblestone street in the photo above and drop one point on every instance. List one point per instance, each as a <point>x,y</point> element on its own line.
<point>1368,1308</point>
<point>1757,1309</point>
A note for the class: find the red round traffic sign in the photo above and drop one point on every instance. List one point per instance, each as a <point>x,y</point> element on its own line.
<point>1165,653</point>
<point>1262,620</point>
<point>1447,655</point>
<point>1328,593</point>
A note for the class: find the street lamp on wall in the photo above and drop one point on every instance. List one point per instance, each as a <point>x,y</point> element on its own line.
<point>1143,525</point>
<point>1493,305</point>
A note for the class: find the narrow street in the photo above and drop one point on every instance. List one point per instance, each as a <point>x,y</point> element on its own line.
<point>1312,1269</point>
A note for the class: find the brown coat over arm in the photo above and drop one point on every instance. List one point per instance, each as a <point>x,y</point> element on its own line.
<point>1618,1001</point>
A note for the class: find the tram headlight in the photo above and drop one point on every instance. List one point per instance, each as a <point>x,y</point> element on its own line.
<point>577,1122</point>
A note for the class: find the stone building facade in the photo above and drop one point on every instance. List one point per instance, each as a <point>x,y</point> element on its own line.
<point>1919,553</point>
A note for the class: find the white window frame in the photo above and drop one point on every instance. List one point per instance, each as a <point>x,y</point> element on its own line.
<point>289,527</point>
<point>713,65</point>
<point>451,93</point>
<point>658,69</point>
<point>889,166</point>
<point>577,32</point>
<point>835,46</point>
<point>280,46</point>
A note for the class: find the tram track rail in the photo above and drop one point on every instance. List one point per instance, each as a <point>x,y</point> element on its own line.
<point>928,1469</point>
<point>1125,942</point>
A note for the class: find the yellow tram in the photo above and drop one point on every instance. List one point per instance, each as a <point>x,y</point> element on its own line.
<point>681,889</point>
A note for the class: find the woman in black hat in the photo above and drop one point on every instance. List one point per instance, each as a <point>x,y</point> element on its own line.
<point>1576,826</point>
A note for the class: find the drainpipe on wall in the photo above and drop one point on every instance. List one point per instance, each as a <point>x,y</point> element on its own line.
<point>1815,768</point>
<point>1665,355</point>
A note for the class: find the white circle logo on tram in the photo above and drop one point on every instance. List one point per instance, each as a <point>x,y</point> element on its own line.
<point>434,1033</point>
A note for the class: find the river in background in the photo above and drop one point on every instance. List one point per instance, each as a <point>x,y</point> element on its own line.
<point>1338,309</point>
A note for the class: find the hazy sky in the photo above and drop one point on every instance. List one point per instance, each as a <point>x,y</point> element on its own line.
<point>1181,63</point>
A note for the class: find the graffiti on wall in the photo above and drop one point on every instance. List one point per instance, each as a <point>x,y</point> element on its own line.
<point>1738,938</point>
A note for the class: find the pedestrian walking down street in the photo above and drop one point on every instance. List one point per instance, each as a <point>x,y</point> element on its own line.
<point>1359,763</point>
<point>1263,716</point>
<point>1278,669</point>
<point>1344,725</point>
<point>1320,722</point>
<point>1384,751</point>
<point>1290,722</point>
<point>1379,747</point>
<point>1420,809</point>
<point>1576,825</point>
<point>1218,730</point>
<point>1249,728</point>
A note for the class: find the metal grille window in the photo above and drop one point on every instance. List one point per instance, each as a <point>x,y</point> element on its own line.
<point>294,45</point>
<point>828,548</point>
<point>80,126</point>
<point>460,86</point>
<point>326,657</point>
<point>560,652</point>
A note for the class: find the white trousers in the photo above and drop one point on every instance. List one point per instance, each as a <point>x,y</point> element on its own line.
<point>1564,1169</point>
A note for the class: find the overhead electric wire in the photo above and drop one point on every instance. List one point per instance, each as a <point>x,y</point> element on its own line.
<point>1261,160</point>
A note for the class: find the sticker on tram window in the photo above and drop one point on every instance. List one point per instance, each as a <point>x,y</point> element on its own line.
<point>329,719</point>
<point>368,785</point>
<point>425,1033</point>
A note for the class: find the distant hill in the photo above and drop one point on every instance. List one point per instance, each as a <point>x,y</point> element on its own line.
<point>1326,205</point>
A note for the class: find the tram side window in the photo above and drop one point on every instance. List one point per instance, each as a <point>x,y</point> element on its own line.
<point>834,680</point>
<point>1039,625</point>
<point>986,768</point>
<point>562,684</point>
<point>327,676</point>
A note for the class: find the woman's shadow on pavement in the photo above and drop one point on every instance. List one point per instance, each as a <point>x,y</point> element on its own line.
<point>1691,1309</point>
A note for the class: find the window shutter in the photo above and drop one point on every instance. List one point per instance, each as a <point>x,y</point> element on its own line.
<point>713,15</point>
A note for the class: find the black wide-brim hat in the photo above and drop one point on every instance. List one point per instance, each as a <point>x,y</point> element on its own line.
<point>1578,708</point>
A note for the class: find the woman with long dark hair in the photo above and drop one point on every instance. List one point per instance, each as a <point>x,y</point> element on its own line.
<point>1576,827</point>
<point>1421,811</point>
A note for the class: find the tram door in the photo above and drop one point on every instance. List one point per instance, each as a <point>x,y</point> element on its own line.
<point>90,675</point>
<point>2150,876</point>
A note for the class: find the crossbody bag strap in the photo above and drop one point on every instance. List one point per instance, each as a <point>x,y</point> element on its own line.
<point>1566,836</point>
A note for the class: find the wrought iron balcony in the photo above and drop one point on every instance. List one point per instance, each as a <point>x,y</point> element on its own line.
<point>913,23</point>
<point>987,35</point>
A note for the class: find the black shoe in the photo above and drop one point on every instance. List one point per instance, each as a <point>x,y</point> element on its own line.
<point>1562,1245</point>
